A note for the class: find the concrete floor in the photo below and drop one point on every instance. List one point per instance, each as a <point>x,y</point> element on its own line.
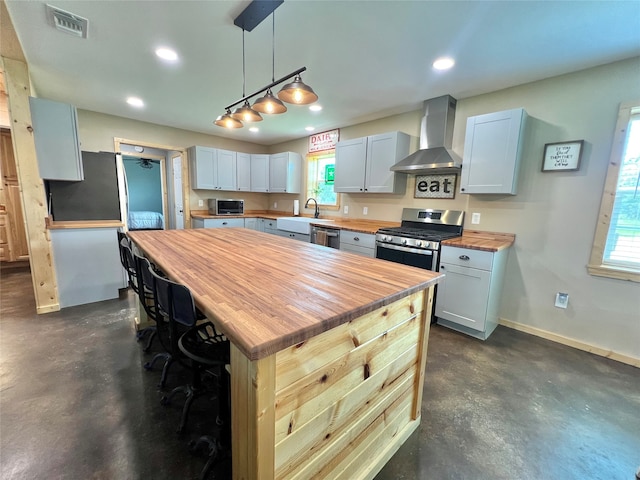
<point>75,403</point>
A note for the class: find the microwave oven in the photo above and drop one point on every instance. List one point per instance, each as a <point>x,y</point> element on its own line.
<point>225,206</point>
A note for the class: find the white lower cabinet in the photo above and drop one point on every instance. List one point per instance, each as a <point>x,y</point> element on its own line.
<point>294,236</point>
<point>251,223</point>
<point>269,226</point>
<point>360,243</point>
<point>87,263</point>
<point>217,222</point>
<point>468,299</point>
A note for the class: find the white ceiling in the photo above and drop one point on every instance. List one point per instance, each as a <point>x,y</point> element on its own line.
<point>365,59</point>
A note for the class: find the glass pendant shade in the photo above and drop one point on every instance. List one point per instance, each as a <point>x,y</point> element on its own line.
<point>227,121</point>
<point>246,113</point>
<point>269,104</point>
<point>297,92</point>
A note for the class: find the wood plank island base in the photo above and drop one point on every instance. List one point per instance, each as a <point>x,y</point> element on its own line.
<point>328,348</point>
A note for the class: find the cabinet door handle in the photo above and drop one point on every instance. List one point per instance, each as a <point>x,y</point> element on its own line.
<point>357,239</point>
<point>224,223</point>
<point>464,257</point>
<point>442,267</point>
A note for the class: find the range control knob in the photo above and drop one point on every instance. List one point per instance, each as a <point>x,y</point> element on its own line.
<point>404,241</point>
<point>419,243</point>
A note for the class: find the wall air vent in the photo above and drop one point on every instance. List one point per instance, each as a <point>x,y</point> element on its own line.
<point>67,22</point>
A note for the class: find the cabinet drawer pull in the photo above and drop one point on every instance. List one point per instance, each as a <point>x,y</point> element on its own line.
<point>224,223</point>
<point>464,257</point>
<point>356,239</point>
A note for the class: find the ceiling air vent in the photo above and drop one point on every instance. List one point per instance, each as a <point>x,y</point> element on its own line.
<point>67,22</point>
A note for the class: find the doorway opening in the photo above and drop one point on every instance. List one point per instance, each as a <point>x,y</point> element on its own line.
<point>153,195</point>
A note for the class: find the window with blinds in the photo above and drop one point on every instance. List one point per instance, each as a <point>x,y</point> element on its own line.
<point>622,246</point>
<point>616,243</point>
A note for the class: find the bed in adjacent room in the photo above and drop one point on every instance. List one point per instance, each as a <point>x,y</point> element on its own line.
<point>139,220</point>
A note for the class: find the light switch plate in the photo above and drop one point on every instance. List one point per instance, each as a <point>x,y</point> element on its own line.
<point>346,209</point>
<point>475,218</point>
<point>201,203</point>
<point>365,210</point>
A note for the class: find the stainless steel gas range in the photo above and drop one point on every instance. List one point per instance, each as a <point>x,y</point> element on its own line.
<point>417,241</point>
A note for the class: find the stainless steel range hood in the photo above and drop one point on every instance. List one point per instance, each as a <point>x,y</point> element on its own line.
<point>436,135</point>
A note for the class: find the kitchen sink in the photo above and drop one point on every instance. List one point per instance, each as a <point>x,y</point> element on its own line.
<point>299,224</point>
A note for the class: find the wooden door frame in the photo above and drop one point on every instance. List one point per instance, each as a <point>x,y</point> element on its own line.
<point>117,141</point>
<point>163,180</point>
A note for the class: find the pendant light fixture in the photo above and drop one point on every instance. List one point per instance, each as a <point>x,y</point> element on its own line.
<point>227,121</point>
<point>296,92</point>
<point>245,113</point>
<point>270,104</point>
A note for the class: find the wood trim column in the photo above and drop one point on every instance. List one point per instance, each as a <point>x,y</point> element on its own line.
<point>252,416</point>
<point>416,409</point>
<point>34,205</point>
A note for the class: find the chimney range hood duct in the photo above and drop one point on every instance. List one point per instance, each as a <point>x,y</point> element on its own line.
<point>436,135</point>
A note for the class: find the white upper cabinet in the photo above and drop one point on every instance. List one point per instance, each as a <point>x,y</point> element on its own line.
<point>362,164</point>
<point>285,170</point>
<point>202,168</point>
<point>492,152</point>
<point>259,172</point>
<point>212,168</point>
<point>351,164</point>
<point>216,169</point>
<point>55,130</point>
<point>243,172</point>
<point>226,170</point>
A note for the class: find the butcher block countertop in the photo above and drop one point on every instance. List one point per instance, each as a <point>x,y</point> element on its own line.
<point>354,225</point>
<point>75,224</point>
<point>266,292</point>
<point>478,240</point>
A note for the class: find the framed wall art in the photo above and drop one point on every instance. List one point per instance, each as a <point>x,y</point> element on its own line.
<point>562,156</point>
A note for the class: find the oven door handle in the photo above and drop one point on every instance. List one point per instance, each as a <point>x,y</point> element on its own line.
<point>419,251</point>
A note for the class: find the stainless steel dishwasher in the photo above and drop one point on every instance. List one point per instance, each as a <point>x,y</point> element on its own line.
<point>329,237</point>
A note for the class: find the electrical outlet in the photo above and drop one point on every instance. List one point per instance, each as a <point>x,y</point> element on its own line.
<point>562,300</point>
<point>346,209</point>
<point>201,203</point>
<point>475,218</point>
<point>275,204</point>
<point>365,211</point>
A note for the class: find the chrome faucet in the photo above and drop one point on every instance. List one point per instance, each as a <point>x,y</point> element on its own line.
<point>317,212</point>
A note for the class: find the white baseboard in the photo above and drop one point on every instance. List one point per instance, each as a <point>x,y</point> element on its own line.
<point>554,337</point>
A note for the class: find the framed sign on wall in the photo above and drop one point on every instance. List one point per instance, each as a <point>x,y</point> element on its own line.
<point>435,186</point>
<point>562,156</point>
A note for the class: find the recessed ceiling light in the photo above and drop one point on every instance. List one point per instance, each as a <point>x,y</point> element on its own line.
<point>309,129</point>
<point>135,102</point>
<point>167,54</point>
<point>315,108</point>
<point>254,129</point>
<point>444,63</point>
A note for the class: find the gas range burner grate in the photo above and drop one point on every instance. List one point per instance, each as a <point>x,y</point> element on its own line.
<point>420,233</point>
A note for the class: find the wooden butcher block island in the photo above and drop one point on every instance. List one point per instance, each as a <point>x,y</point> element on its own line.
<point>328,348</point>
